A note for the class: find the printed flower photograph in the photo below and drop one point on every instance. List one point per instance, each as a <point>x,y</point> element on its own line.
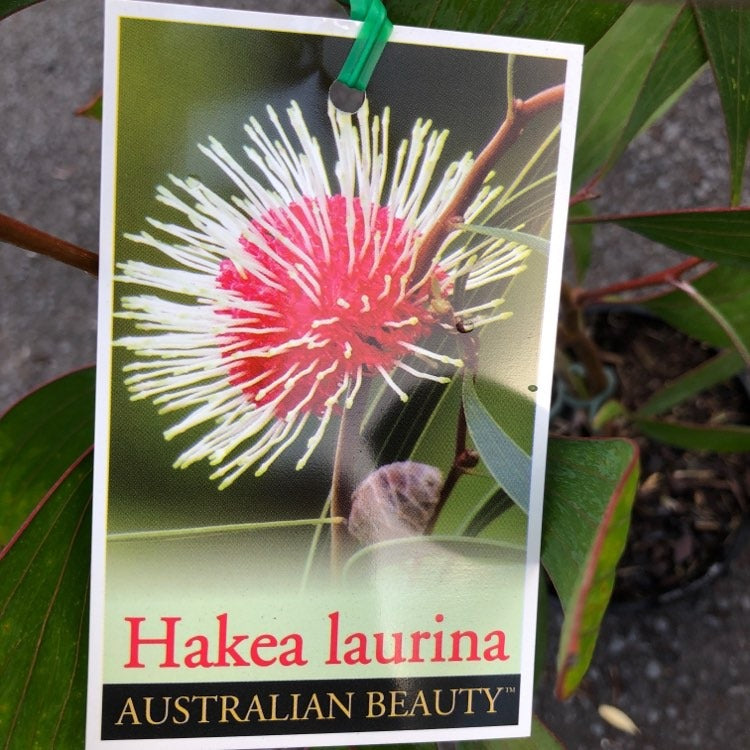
<point>307,302</point>
<point>297,293</point>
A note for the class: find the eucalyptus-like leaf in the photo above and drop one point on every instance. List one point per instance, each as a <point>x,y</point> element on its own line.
<point>723,366</point>
<point>486,510</point>
<point>44,578</point>
<point>614,73</point>
<point>726,288</point>
<point>726,30</point>
<point>717,234</point>
<point>568,20</point>
<point>589,492</point>
<point>452,560</point>
<point>697,437</point>
<point>40,437</point>
<point>509,465</point>
<point>521,239</point>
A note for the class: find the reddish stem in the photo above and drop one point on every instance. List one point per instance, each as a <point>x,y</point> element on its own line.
<point>463,460</point>
<point>519,114</point>
<point>573,334</point>
<point>586,193</point>
<point>666,276</point>
<point>29,238</point>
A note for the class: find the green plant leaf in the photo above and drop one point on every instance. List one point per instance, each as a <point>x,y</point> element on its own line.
<point>590,488</point>
<point>717,234</point>
<point>614,73</point>
<point>542,629</point>
<point>509,465</point>
<point>608,412</point>
<point>697,437</point>
<point>541,739</point>
<point>678,60</point>
<point>11,6</point>
<point>40,437</point>
<point>92,109</point>
<point>581,237</point>
<point>723,366</point>
<point>726,288</point>
<point>571,20</point>
<point>44,574</point>
<point>726,29</point>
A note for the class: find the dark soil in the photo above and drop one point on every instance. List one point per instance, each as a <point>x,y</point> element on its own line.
<point>691,508</point>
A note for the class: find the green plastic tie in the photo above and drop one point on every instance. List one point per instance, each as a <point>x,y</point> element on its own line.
<point>369,44</point>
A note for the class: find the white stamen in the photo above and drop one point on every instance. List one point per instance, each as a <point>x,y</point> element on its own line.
<point>389,380</point>
<point>402,323</point>
<point>444,358</point>
<point>425,375</point>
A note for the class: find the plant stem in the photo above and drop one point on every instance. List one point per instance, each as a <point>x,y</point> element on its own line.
<point>573,333</point>
<point>667,276</point>
<point>307,571</point>
<point>518,115</point>
<point>29,238</point>
<point>463,459</point>
<point>186,533</point>
<point>343,479</point>
<point>586,193</point>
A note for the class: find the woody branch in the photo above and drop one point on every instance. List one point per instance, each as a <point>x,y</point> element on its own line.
<point>29,238</point>
<point>520,112</point>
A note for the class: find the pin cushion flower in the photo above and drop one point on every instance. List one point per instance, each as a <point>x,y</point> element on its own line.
<point>283,300</point>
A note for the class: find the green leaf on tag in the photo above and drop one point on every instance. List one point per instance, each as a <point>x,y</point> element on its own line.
<point>590,488</point>
<point>509,465</point>
<point>521,239</point>
<point>40,437</point>
<point>451,560</point>
<point>726,28</point>
<point>44,576</point>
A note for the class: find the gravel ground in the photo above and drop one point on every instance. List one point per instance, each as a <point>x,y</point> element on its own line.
<point>682,672</point>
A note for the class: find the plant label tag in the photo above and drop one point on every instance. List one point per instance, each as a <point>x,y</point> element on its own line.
<point>324,380</point>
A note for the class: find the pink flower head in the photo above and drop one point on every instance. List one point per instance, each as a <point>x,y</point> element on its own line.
<point>295,293</point>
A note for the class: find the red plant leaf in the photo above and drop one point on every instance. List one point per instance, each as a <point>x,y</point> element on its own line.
<point>590,488</point>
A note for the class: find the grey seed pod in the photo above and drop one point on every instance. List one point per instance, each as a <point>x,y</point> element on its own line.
<point>397,500</point>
